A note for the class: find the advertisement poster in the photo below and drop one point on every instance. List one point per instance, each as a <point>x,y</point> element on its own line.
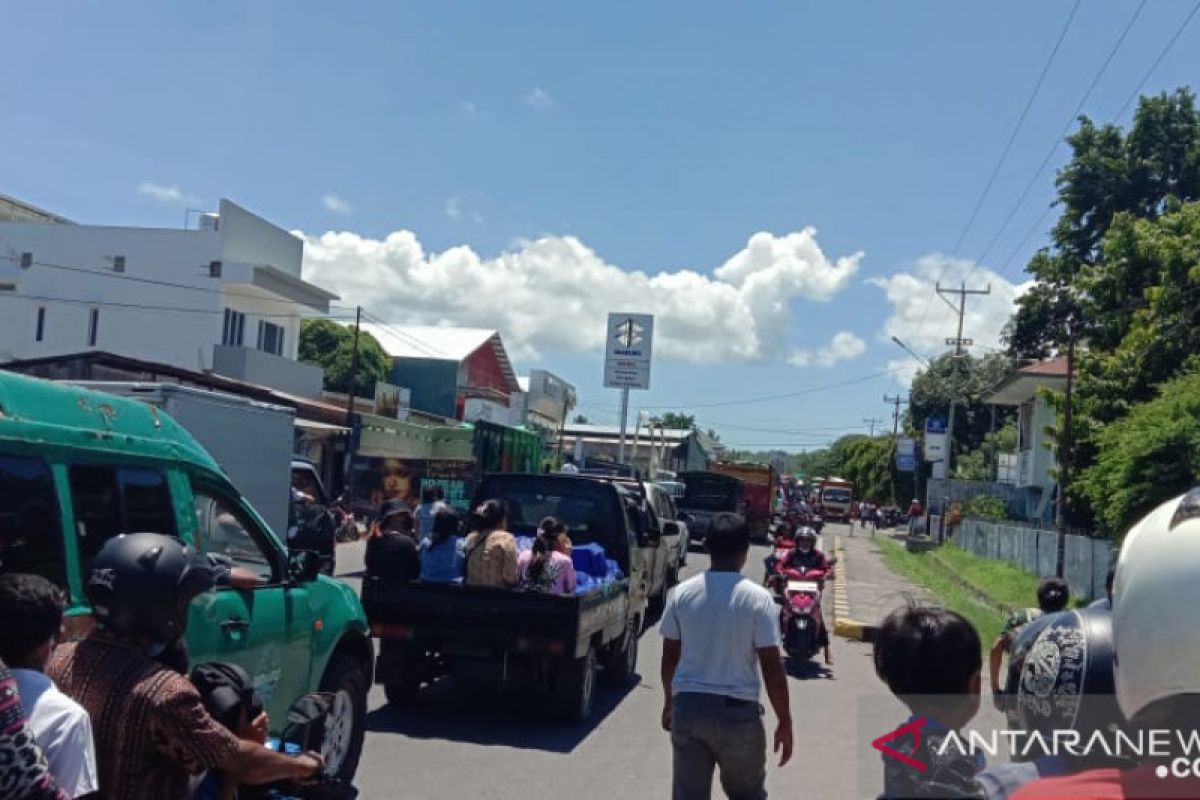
<point>378,479</point>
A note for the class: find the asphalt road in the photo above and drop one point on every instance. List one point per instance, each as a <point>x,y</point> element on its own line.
<point>455,743</point>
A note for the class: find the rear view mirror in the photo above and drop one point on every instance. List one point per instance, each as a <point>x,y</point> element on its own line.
<point>833,560</point>
<point>304,566</point>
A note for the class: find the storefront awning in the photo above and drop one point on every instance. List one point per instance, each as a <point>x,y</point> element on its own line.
<point>321,428</point>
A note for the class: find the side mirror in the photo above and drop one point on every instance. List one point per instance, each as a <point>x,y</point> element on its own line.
<point>686,518</point>
<point>671,529</point>
<point>833,560</point>
<point>304,566</point>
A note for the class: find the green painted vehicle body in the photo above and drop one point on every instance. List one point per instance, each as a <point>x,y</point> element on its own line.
<point>293,627</point>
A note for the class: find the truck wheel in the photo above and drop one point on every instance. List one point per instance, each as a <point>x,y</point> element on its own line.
<point>621,665</point>
<point>346,679</point>
<point>575,688</point>
<point>402,680</point>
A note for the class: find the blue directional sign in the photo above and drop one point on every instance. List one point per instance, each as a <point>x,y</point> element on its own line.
<point>935,424</point>
<point>906,462</point>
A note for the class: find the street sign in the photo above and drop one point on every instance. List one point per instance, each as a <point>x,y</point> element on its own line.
<point>627,351</point>
<point>935,424</point>
<point>952,342</point>
<point>906,447</point>
<point>906,462</point>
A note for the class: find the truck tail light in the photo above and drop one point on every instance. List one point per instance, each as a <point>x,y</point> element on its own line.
<point>392,631</point>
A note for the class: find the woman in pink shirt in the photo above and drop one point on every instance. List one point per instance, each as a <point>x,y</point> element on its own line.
<point>547,566</point>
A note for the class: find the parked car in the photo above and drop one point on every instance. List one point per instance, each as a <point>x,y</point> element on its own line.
<point>499,637</point>
<point>78,467</point>
<point>661,559</point>
<point>674,529</point>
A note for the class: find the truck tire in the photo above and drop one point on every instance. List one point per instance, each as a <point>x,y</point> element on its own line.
<point>575,688</point>
<point>621,664</point>
<point>403,678</point>
<point>346,679</point>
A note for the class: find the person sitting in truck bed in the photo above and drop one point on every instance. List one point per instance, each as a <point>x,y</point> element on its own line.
<point>490,551</point>
<point>392,549</point>
<point>442,552</point>
<point>547,567</point>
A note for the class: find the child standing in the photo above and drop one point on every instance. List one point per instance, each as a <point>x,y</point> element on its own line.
<point>931,659</point>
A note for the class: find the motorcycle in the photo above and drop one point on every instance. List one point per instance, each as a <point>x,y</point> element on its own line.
<point>344,520</point>
<point>305,732</point>
<point>800,617</point>
<point>816,523</point>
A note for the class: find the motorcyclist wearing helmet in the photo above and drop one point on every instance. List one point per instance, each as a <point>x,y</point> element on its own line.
<point>1060,678</point>
<point>151,729</point>
<point>804,557</point>
<point>1052,597</point>
<point>1156,649</point>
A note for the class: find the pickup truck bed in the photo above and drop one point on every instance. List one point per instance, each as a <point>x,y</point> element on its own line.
<point>450,616</point>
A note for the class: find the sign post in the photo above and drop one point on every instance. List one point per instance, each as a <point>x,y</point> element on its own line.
<point>936,445</point>
<point>627,360</point>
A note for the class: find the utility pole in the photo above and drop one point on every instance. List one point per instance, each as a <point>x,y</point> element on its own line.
<point>872,422</point>
<point>959,343</point>
<point>895,403</point>
<point>353,371</point>
<point>1064,453</point>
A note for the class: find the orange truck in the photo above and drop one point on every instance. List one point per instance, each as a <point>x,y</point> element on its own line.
<point>835,497</point>
<point>760,484</point>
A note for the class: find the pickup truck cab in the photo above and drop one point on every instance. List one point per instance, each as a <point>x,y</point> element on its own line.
<point>78,467</point>
<point>501,637</point>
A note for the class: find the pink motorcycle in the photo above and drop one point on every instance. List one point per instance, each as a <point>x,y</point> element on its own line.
<point>800,616</point>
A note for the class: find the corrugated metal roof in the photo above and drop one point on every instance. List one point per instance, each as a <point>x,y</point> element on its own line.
<point>429,341</point>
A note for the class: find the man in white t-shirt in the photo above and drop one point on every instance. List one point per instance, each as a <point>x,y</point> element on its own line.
<point>719,631</point>
<point>31,612</point>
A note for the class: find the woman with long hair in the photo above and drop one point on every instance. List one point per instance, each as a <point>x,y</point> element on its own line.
<point>442,552</point>
<point>490,551</point>
<point>547,567</point>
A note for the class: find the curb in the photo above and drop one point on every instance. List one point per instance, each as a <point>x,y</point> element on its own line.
<point>843,625</point>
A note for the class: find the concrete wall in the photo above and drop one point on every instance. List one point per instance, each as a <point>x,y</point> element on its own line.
<point>268,369</point>
<point>1086,560</point>
<point>169,324</point>
<point>250,238</point>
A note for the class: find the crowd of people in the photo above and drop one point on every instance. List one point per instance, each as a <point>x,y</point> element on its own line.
<point>430,543</point>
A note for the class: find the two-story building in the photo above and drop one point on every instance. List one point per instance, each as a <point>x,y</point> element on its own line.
<point>547,400</point>
<point>1035,456</point>
<point>226,297</point>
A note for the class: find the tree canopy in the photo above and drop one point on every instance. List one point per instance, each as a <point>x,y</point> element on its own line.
<point>967,380</point>
<point>330,346</point>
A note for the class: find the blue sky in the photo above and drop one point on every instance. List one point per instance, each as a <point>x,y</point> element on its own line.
<point>540,151</point>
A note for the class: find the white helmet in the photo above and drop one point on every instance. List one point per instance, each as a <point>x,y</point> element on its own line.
<point>1155,596</point>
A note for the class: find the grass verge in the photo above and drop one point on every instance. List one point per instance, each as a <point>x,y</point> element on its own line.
<point>1007,584</point>
<point>926,572</point>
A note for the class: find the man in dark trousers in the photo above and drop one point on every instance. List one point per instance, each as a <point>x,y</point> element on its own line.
<point>719,630</point>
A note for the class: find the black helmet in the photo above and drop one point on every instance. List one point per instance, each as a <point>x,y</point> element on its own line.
<point>1061,674</point>
<point>140,584</point>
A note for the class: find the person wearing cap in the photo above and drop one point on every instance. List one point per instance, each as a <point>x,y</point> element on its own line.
<point>151,729</point>
<point>1052,597</point>
<point>392,554</point>
<point>1156,650</point>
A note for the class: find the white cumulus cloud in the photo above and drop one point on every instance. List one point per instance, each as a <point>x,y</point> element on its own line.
<point>336,204</point>
<point>842,347</point>
<point>172,195</point>
<point>555,292</point>
<point>539,98</point>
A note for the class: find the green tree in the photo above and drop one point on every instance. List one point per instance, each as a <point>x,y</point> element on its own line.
<point>1138,174</point>
<point>980,464</point>
<point>330,346</point>
<point>1147,457</point>
<point>673,420</point>
<point>967,381</point>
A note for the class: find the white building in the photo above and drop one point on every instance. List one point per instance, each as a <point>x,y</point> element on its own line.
<point>547,399</point>
<point>226,297</point>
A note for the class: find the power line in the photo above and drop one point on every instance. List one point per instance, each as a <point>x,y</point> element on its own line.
<point>785,395</point>
<point>151,307</point>
<point>1004,154</point>
<point>1162,55</point>
<point>1058,140</point>
<point>101,273</point>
